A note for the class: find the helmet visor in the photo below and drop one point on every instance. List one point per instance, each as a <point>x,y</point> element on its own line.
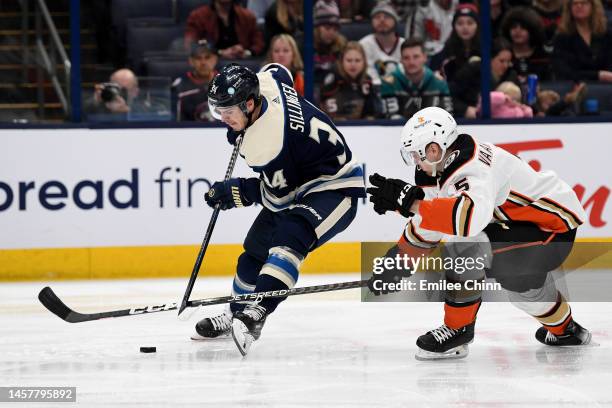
<point>411,158</point>
<point>219,112</point>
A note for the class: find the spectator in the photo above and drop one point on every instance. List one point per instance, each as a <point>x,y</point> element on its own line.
<point>120,97</point>
<point>506,102</point>
<point>405,8</point>
<point>581,44</point>
<point>549,103</point>
<point>284,50</point>
<point>433,24</point>
<point>550,15</point>
<point>190,90</point>
<point>355,10</point>
<point>347,91</point>
<point>523,28</point>
<point>463,43</point>
<point>465,88</point>
<point>498,9</point>
<point>285,17</point>
<point>328,42</point>
<point>405,92</point>
<point>382,47</point>
<point>229,26</point>
<point>259,8</point>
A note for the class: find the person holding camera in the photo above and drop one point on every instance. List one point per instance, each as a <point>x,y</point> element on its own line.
<point>115,97</point>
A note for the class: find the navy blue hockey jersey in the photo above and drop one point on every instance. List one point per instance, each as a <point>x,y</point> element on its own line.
<point>295,147</point>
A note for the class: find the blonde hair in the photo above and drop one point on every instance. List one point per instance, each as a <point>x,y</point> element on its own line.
<point>597,21</point>
<point>335,47</point>
<point>297,64</point>
<point>282,13</point>
<point>510,89</point>
<point>352,46</point>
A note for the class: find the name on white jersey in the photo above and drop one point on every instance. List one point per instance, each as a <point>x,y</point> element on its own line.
<point>296,117</point>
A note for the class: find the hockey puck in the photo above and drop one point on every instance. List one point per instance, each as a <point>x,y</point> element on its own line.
<point>148,349</point>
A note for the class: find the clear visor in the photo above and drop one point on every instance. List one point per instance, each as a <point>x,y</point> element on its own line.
<point>411,158</point>
<point>219,112</point>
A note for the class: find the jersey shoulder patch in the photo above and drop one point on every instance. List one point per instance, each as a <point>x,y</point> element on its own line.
<point>461,152</point>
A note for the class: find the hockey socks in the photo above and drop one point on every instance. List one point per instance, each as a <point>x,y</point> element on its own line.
<point>557,318</point>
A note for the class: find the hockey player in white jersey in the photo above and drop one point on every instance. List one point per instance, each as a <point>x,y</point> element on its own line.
<point>308,186</point>
<point>475,194</point>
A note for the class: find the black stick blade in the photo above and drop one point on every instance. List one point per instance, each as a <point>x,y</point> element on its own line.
<point>54,304</point>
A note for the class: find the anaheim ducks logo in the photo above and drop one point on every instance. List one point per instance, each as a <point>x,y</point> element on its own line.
<point>451,158</point>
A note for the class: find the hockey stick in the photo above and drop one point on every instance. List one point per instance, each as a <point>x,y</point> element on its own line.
<point>55,305</point>
<point>209,230</point>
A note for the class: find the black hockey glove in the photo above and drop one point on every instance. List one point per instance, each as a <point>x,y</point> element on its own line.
<point>393,195</point>
<point>236,192</point>
<point>232,136</point>
<point>379,282</point>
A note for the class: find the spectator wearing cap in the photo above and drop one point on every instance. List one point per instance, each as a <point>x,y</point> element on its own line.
<point>433,24</point>
<point>462,45</point>
<point>550,15</point>
<point>405,91</point>
<point>229,26</point>
<point>523,28</point>
<point>328,42</point>
<point>382,47</point>
<point>189,91</point>
<point>581,48</point>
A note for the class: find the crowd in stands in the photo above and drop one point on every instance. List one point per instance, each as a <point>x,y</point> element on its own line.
<point>399,56</point>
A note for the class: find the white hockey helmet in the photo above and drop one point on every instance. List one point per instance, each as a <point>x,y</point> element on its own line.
<point>429,125</point>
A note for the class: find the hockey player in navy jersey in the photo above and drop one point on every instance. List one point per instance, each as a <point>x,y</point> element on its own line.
<point>308,185</point>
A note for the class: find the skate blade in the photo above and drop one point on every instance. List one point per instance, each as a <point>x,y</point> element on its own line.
<point>223,337</point>
<point>241,336</point>
<point>452,354</point>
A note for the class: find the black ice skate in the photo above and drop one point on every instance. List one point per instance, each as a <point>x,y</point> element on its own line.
<point>445,343</point>
<point>574,335</point>
<point>213,327</point>
<point>247,325</point>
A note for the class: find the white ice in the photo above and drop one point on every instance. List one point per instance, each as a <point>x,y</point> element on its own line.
<point>328,350</point>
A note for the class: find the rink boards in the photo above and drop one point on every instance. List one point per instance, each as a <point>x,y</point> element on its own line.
<point>117,203</point>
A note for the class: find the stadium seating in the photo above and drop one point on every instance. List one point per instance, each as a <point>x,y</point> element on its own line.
<point>142,37</point>
<point>356,31</point>
<point>166,67</point>
<point>122,10</point>
<point>595,90</point>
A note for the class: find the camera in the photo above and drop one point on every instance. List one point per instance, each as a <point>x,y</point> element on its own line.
<point>111,91</point>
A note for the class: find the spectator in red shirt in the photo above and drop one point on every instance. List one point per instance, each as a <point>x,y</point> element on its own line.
<point>229,26</point>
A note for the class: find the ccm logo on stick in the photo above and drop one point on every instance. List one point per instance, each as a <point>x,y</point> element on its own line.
<point>86,194</point>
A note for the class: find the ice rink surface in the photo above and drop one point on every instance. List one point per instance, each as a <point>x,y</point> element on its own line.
<point>327,350</point>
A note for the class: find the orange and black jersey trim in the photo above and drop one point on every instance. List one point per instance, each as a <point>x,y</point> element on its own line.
<point>544,212</point>
<point>452,215</point>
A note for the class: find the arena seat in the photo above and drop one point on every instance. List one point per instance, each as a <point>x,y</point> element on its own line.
<point>356,31</point>
<point>166,67</point>
<point>149,37</point>
<point>122,10</point>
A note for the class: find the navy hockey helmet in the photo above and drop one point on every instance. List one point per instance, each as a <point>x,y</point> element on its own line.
<point>233,86</point>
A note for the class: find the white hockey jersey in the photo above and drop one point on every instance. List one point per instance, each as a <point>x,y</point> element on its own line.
<point>381,63</point>
<point>482,183</point>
